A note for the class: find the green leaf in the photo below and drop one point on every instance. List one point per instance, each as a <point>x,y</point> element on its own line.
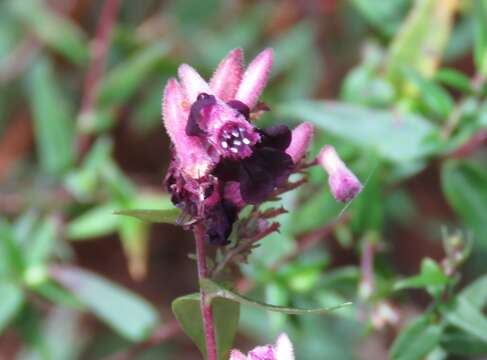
<point>96,222</point>
<point>216,291</point>
<point>435,98</point>
<point>124,80</point>
<point>53,120</point>
<point>226,314</point>
<point>460,343</point>
<point>465,187</point>
<point>12,300</point>
<point>127,313</point>
<point>416,45</point>
<point>431,275</point>
<point>417,340</point>
<point>383,131</point>
<point>51,28</point>
<point>57,294</point>
<point>385,16</point>
<point>466,316</point>
<point>476,292</point>
<point>11,258</point>
<point>42,242</point>
<point>480,35</point>
<point>135,239</point>
<point>164,216</point>
<point>454,78</point>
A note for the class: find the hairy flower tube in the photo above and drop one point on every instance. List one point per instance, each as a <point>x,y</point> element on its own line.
<point>282,350</point>
<point>343,183</point>
<point>220,160</point>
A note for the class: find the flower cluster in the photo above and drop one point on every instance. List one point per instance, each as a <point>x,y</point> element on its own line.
<point>282,350</point>
<point>221,160</point>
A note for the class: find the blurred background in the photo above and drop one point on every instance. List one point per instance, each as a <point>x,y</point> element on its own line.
<point>397,86</point>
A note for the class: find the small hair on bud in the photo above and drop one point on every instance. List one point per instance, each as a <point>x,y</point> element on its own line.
<point>344,185</point>
<point>301,137</point>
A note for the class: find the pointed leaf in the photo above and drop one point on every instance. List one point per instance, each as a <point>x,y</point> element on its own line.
<point>468,317</point>
<point>52,29</point>
<point>12,299</point>
<point>385,132</point>
<point>124,80</point>
<point>416,45</point>
<point>476,292</point>
<point>127,313</point>
<point>164,216</point>
<point>465,187</point>
<point>216,291</point>
<point>431,275</point>
<point>226,314</point>
<point>95,222</point>
<point>53,120</point>
<point>418,339</point>
<point>480,35</point>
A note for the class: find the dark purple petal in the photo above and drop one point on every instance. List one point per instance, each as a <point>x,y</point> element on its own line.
<point>256,183</point>
<point>278,164</point>
<point>227,170</point>
<point>193,126</point>
<point>277,137</point>
<point>260,174</point>
<point>219,222</point>
<point>240,107</point>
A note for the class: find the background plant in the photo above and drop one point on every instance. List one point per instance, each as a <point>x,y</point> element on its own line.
<point>82,138</point>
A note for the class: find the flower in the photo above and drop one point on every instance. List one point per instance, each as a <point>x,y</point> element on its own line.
<point>343,183</point>
<point>221,161</point>
<point>282,350</point>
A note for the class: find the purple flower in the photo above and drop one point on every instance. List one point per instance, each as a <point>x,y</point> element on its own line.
<point>343,183</point>
<point>282,350</point>
<point>221,161</point>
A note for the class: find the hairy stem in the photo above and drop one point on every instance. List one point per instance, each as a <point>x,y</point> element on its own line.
<point>206,311</point>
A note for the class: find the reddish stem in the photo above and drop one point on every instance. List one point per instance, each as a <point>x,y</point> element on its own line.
<point>206,311</point>
<point>97,65</point>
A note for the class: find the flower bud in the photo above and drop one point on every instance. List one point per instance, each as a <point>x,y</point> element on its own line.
<point>343,183</point>
<point>300,140</point>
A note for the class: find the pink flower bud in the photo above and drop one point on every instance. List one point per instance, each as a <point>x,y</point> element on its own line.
<point>191,154</point>
<point>343,183</point>
<point>255,78</point>
<point>228,75</point>
<point>193,83</point>
<point>282,350</point>
<point>300,141</point>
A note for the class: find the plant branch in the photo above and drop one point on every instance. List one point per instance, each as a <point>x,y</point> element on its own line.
<point>243,246</point>
<point>206,311</point>
<point>96,68</point>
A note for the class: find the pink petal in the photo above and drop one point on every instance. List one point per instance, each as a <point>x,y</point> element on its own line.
<point>344,185</point>
<point>193,157</point>
<point>237,355</point>
<point>265,352</point>
<point>300,141</point>
<point>284,348</point>
<point>255,78</point>
<point>193,83</point>
<point>228,75</point>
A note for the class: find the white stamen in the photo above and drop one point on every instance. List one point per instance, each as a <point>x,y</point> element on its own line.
<point>224,144</point>
<point>237,142</point>
<point>227,136</point>
<point>235,134</point>
<point>234,150</point>
<point>246,141</point>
